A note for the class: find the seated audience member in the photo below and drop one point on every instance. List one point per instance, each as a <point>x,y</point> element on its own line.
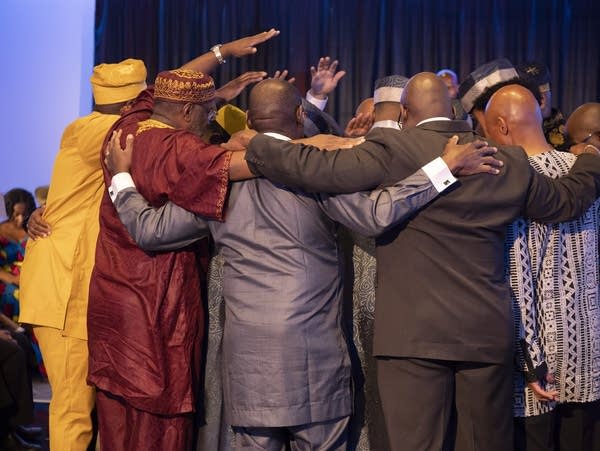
<point>553,274</point>
<point>19,204</point>
<point>450,78</point>
<point>554,122</point>
<point>583,126</point>
<point>16,399</point>
<point>386,101</point>
<point>475,91</point>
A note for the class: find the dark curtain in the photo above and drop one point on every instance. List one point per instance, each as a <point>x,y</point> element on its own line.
<point>370,38</point>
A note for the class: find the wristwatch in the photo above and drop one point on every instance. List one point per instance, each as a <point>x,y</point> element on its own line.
<point>217,51</point>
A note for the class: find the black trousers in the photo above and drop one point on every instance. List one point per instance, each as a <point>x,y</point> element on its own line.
<point>434,405</point>
<point>569,427</point>
<point>16,400</point>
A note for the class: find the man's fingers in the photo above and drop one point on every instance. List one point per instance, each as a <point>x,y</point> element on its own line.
<point>337,77</point>
<point>479,143</point>
<point>129,143</point>
<point>313,71</point>
<point>486,150</point>
<point>332,67</point>
<point>487,169</point>
<point>491,161</point>
<point>265,36</point>
<point>323,63</point>
<point>453,140</point>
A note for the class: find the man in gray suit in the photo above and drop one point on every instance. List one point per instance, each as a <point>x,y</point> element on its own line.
<point>443,316</point>
<point>286,371</point>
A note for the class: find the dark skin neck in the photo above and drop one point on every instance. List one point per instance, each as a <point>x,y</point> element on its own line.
<point>164,119</point>
<point>167,113</point>
<point>111,108</point>
<point>290,129</point>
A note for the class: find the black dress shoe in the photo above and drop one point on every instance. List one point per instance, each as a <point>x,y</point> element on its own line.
<point>29,431</point>
<point>23,444</point>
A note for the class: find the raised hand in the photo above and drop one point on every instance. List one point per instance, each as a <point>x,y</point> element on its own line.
<point>472,158</point>
<point>233,88</point>
<point>116,158</point>
<point>359,125</point>
<point>282,75</point>
<point>246,46</point>
<point>324,77</point>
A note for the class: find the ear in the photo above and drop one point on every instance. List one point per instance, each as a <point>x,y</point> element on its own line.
<point>543,101</point>
<point>187,111</point>
<point>300,115</point>
<point>248,120</point>
<point>403,113</point>
<point>502,126</point>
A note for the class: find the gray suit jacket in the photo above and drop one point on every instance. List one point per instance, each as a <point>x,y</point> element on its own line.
<point>284,353</point>
<point>441,291</point>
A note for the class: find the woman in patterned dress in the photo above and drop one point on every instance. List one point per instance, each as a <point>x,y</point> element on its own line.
<point>19,204</point>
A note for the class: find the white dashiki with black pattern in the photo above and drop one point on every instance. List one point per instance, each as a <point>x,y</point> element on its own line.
<point>553,275</point>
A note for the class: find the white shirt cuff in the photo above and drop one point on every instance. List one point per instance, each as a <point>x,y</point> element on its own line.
<point>319,103</point>
<point>118,183</point>
<point>439,174</point>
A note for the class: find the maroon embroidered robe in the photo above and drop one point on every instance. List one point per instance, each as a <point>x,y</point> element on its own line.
<point>145,316</point>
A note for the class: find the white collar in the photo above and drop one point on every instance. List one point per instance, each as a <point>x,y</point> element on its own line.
<point>277,136</point>
<point>431,119</point>
<point>388,123</point>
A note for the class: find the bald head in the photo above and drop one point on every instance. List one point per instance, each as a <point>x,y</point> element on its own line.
<point>583,122</point>
<point>513,117</point>
<point>273,106</point>
<point>425,96</point>
<point>366,106</point>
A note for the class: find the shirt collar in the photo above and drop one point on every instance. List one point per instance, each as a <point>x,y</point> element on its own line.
<point>277,136</point>
<point>432,119</point>
<point>386,124</point>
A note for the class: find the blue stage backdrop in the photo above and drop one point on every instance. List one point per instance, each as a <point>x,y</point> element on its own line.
<point>371,39</point>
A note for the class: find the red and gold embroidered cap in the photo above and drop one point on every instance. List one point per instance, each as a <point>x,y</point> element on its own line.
<point>183,85</point>
<point>115,83</point>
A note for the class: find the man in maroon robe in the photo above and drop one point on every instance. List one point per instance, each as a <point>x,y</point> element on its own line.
<point>145,316</point>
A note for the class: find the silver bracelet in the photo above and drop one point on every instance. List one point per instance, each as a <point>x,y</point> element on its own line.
<point>217,51</point>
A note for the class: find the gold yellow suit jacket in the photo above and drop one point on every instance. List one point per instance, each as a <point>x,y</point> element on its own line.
<point>56,272</point>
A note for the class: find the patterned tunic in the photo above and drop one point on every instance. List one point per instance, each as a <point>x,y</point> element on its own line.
<point>554,286</point>
<point>11,259</point>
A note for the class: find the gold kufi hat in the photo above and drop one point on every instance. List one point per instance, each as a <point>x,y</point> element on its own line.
<point>231,119</point>
<point>115,83</point>
<point>184,85</point>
